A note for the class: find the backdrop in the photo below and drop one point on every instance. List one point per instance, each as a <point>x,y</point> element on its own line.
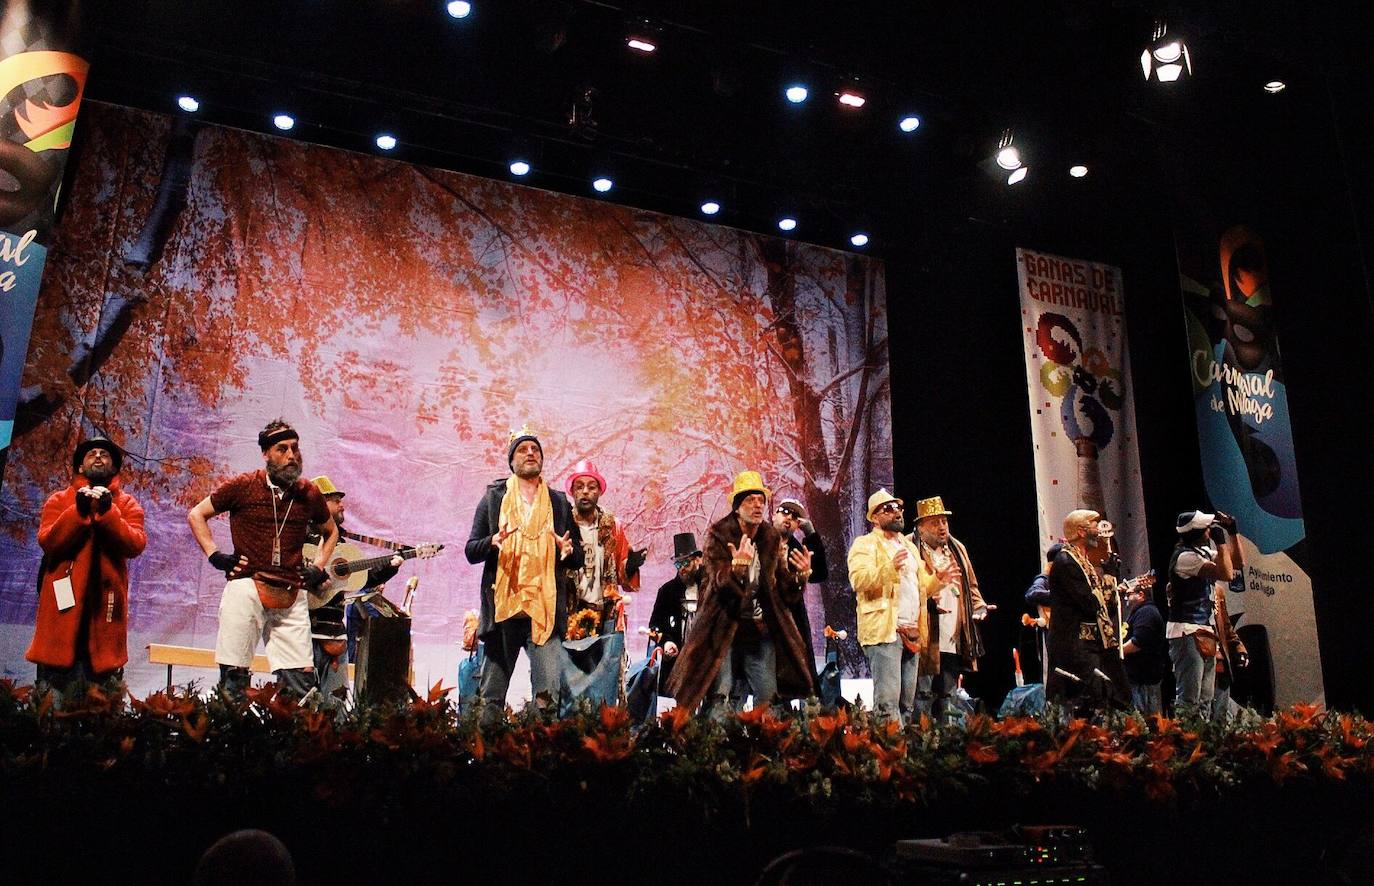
<point>205,280</point>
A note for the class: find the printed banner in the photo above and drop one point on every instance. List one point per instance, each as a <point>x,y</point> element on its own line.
<point>40,93</point>
<point>206,280</point>
<point>1081,408</point>
<point>1247,449</point>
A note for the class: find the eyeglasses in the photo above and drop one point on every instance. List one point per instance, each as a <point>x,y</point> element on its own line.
<point>891,507</point>
<point>788,511</point>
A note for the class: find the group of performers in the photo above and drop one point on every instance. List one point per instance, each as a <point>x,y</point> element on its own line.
<point>732,623</point>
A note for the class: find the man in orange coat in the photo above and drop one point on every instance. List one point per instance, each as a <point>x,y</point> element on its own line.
<point>88,532</point>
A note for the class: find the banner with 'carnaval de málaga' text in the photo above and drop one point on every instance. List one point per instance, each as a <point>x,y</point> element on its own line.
<point>1082,412</point>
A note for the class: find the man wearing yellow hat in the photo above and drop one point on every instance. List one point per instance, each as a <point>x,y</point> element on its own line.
<point>954,644</point>
<point>891,586</point>
<point>743,624</point>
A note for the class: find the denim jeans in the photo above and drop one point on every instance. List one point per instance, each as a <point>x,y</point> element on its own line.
<point>1146,698</point>
<point>1194,677</point>
<point>894,679</point>
<point>757,664</point>
<point>331,671</point>
<point>503,647</point>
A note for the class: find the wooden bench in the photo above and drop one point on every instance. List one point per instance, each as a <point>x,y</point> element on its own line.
<point>191,657</point>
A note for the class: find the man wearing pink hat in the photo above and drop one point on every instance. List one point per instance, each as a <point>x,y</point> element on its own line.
<point>610,566</point>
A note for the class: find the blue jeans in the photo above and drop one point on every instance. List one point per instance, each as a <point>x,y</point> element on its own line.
<point>757,664</point>
<point>1194,678</point>
<point>502,648</point>
<point>894,679</point>
<point>331,672</point>
<point>1147,699</point>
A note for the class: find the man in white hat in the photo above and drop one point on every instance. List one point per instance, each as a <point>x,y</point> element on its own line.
<point>891,587</point>
<point>1201,558</point>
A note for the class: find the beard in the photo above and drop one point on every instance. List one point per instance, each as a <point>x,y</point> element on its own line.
<point>586,506</point>
<point>526,471</point>
<point>99,476</point>
<point>285,475</point>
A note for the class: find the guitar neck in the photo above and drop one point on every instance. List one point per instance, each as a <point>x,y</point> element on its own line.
<point>373,540</point>
<point>364,565</point>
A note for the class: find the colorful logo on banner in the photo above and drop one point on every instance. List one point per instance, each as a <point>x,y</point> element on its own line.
<point>1082,414</point>
<point>1246,443</point>
<point>32,128</point>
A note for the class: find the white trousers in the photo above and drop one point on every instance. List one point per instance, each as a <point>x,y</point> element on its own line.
<point>243,619</point>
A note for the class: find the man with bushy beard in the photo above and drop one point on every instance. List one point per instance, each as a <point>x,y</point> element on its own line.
<point>1085,655</point>
<point>610,566</point>
<point>270,512</point>
<point>676,603</point>
<point>744,623</point>
<point>88,532</point>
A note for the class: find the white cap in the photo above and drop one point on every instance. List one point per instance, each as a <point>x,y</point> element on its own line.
<point>1190,520</point>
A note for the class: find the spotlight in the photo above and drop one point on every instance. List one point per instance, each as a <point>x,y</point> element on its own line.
<point>1165,57</point>
<point>851,99</point>
<point>1078,171</point>
<point>787,223</point>
<point>710,207</point>
<point>1271,87</point>
<point>283,122</point>
<point>459,9</point>
<point>519,167</point>
<point>1009,158</point>
<point>859,239</point>
<point>602,184</point>
<point>1019,175</point>
<point>386,141</point>
<point>796,93</point>
<point>641,44</point>
<point>188,104</point>
<point>909,123</point>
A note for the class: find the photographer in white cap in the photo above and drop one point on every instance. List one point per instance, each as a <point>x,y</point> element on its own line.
<point>1200,559</point>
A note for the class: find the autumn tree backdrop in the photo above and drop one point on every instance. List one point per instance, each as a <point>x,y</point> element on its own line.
<point>204,280</point>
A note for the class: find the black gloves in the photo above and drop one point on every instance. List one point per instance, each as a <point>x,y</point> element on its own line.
<point>312,575</point>
<point>634,560</point>
<point>83,503</point>
<point>225,563</point>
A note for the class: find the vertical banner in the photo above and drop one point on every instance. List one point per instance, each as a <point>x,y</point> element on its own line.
<point>1081,408</point>
<point>1246,444</point>
<point>40,91</point>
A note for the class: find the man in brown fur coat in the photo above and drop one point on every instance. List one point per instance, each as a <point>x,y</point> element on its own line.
<point>743,623</point>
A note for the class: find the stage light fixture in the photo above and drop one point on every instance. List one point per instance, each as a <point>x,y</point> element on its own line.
<point>796,93</point>
<point>1166,58</point>
<point>860,239</point>
<point>1274,86</point>
<point>909,123</point>
<point>1019,175</point>
<point>1078,171</point>
<point>602,184</point>
<point>284,122</point>
<point>188,104</point>
<point>519,167</point>
<point>641,44</point>
<point>710,207</point>
<point>459,8</point>
<point>386,141</point>
<point>787,223</point>
<point>1008,156</point>
<point>851,98</point>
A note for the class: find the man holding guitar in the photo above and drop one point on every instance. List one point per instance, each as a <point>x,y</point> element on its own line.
<point>348,571</point>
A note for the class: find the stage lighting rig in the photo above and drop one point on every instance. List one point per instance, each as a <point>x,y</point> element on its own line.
<point>1166,57</point>
<point>581,117</point>
<point>642,36</point>
<point>188,103</point>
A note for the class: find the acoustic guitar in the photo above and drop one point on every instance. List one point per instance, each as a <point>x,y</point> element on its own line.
<point>348,570</point>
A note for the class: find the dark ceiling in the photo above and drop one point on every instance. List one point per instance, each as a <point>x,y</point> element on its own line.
<point>705,114</point>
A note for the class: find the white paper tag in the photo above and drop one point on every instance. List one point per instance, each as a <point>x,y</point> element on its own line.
<point>63,589</point>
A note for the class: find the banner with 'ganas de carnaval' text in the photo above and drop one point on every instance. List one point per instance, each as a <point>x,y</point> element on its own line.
<point>1081,408</point>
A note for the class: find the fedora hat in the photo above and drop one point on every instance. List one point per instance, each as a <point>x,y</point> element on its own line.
<point>880,498</point>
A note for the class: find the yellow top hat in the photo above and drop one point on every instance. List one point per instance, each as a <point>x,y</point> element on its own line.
<point>326,486</point>
<point>880,498</point>
<point>931,507</point>
<point>747,481</point>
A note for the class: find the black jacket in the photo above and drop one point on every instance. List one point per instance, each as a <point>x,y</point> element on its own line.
<point>485,523</point>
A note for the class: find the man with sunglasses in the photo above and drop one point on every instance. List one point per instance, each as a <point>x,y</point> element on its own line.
<point>789,517</point>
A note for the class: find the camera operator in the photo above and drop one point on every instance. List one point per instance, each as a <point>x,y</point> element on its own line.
<point>1201,558</point>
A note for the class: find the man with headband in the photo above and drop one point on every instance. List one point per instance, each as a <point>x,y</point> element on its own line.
<point>270,511</point>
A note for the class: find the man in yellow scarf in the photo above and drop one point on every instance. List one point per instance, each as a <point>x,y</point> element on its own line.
<point>522,530</point>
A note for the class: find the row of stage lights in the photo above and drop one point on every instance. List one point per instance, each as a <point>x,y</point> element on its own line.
<point>1165,58</point>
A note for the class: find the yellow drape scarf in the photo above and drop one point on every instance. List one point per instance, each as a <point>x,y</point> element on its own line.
<point>525,567</point>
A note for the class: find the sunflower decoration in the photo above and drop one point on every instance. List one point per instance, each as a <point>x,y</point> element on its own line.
<point>583,623</point>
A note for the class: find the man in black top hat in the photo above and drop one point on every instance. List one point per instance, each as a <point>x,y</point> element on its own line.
<point>676,603</point>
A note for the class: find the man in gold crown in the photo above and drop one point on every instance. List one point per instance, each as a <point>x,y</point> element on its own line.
<point>743,624</point>
<point>524,537</point>
<point>953,645</point>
